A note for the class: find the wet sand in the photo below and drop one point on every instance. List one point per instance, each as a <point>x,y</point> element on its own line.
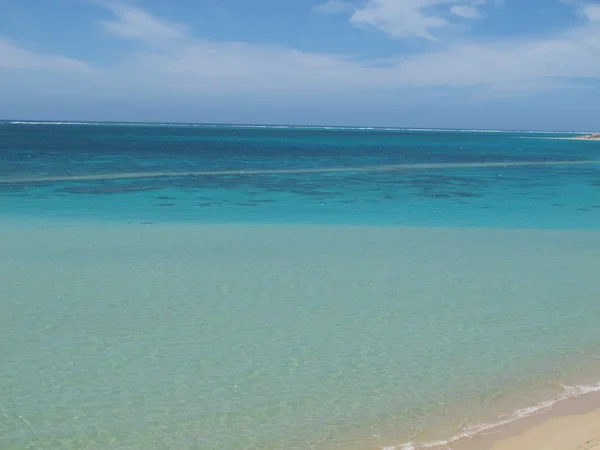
<point>564,433</point>
<point>573,424</point>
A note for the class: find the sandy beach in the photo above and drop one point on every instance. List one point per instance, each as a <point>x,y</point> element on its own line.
<point>580,432</point>
<point>572,424</point>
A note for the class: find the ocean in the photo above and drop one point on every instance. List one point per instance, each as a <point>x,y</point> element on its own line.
<point>184,286</point>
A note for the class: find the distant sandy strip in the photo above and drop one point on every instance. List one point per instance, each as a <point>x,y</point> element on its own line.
<point>587,137</point>
<point>579,137</point>
<point>382,168</point>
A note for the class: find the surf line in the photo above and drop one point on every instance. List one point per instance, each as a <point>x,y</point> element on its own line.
<point>381,168</point>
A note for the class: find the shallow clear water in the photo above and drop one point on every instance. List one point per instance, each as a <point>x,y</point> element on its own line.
<point>140,312</point>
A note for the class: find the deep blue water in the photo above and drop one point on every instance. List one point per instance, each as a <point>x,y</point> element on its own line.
<point>539,196</point>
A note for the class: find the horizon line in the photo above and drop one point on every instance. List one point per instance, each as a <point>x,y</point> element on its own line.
<point>281,126</point>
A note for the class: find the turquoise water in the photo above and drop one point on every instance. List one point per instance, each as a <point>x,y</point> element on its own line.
<point>348,176</point>
<point>409,297</point>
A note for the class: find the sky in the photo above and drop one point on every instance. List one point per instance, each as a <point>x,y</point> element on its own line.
<point>496,64</point>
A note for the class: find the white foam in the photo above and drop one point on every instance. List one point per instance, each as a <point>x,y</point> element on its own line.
<point>54,123</point>
<point>125,124</point>
<point>292,127</point>
<point>473,430</point>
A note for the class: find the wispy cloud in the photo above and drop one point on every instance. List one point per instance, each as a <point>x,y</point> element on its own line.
<point>169,59</point>
<point>202,65</point>
<point>333,7</point>
<point>415,18</point>
<point>137,24</point>
<point>591,11</point>
<point>568,55</point>
<point>198,65</point>
<point>468,12</point>
<point>13,56</point>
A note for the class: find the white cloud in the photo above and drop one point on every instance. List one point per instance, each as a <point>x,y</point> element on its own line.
<point>13,56</point>
<point>135,23</point>
<point>415,18</point>
<point>207,66</point>
<point>398,18</point>
<point>333,7</point>
<point>569,55</point>
<point>468,12</point>
<point>172,61</point>
<point>591,11</point>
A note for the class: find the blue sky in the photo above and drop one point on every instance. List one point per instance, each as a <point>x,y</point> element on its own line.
<point>516,64</point>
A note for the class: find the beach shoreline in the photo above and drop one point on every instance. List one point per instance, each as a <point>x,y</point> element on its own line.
<point>506,431</point>
<point>571,424</point>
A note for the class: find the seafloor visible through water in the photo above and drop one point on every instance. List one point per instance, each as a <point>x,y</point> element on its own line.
<point>217,287</point>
